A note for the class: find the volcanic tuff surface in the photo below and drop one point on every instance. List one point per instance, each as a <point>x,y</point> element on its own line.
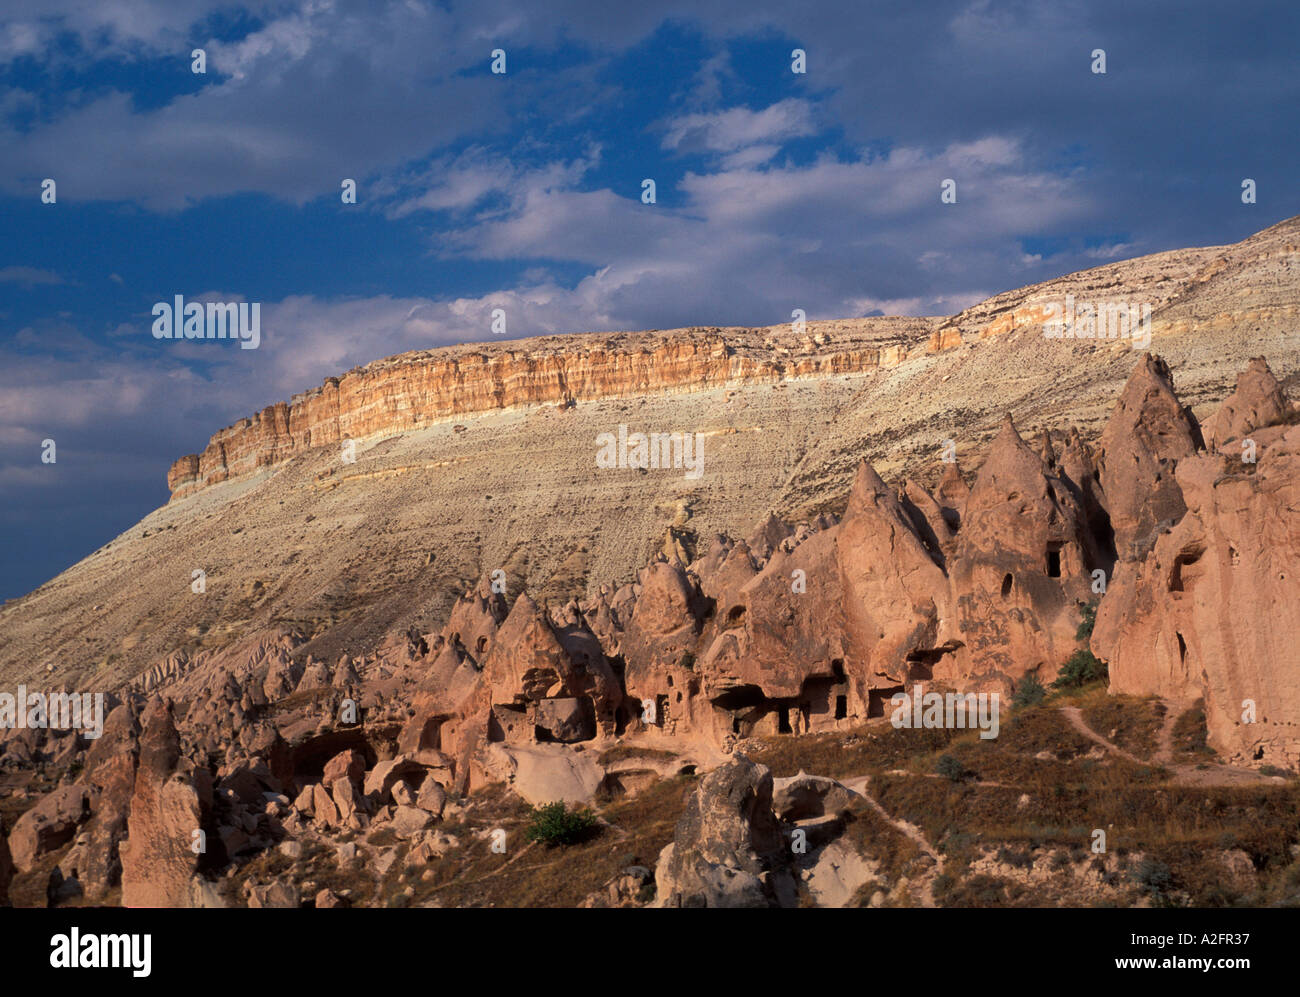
<point>483,457</point>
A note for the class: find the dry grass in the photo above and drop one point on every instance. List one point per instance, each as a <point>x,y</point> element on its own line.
<point>1131,722</point>
<point>1187,828</point>
<point>635,831</point>
<point>1189,736</point>
<point>877,747</point>
<point>625,752</point>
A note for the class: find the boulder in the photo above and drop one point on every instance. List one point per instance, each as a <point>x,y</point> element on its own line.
<point>48,826</point>
<point>727,850</point>
<point>432,796</point>
<point>349,765</point>
<point>408,821</point>
<point>804,796</point>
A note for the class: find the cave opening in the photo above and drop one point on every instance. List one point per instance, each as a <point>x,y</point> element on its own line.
<point>1054,560</point>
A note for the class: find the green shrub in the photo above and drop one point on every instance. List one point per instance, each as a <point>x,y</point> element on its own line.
<point>1152,877</point>
<point>948,767</point>
<point>1087,620</point>
<point>555,824</point>
<point>1079,669</point>
<point>1029,692</point>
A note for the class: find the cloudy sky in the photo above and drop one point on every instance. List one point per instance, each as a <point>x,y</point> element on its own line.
<point>522,190</point>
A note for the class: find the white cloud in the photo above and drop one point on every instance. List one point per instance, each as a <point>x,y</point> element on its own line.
<point>739,128</point>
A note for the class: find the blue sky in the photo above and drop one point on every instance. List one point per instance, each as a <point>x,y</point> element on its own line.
<point>522,191</point>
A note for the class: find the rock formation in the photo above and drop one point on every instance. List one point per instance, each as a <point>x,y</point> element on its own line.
<point>1213,610</point>
<point>364,709</point>
<point>728,849</point>
<point>160,861</point>
<point>1149,432</point>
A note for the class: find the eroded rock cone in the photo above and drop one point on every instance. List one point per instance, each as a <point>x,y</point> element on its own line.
<point>1147,434</point>
<point>951,494</point>
<point>893,590</point>
<point>160,866</point>
<point>1023,560</point>
<point>785,627</point>
<point>110,772</point>
<point>1214,609</point>
<point>664,629</point>
<point>1257,402</point>
<point>528,660</point>
<point>727,850</point>
<point>475,619</point>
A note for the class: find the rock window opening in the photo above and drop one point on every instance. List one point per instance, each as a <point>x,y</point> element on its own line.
<point>841,707</point>
<point>1006,586</point>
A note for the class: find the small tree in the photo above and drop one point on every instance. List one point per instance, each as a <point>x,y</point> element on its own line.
<point>1029,692</point>
<point>555,824</point>
<point>1079,669</point>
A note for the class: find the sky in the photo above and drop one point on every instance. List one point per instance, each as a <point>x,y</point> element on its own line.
<point>522,190</point>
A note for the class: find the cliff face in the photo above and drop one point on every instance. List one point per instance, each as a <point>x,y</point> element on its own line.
<point>415,390</point>
<point>1216,291</point>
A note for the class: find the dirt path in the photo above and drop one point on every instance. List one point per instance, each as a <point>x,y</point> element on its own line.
<point>1165,739</point>
<point>1181,773</point>
<point>858,784</point>
<point>1075,716</point>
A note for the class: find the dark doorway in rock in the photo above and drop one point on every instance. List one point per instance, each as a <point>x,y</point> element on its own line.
<point>1182,647</point>
<point>878,700</point>
<point>841,707</point>
<point>1053,560</point>
<point>783,720</point>
<point>661,710</point>
<point>1006,586</point>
